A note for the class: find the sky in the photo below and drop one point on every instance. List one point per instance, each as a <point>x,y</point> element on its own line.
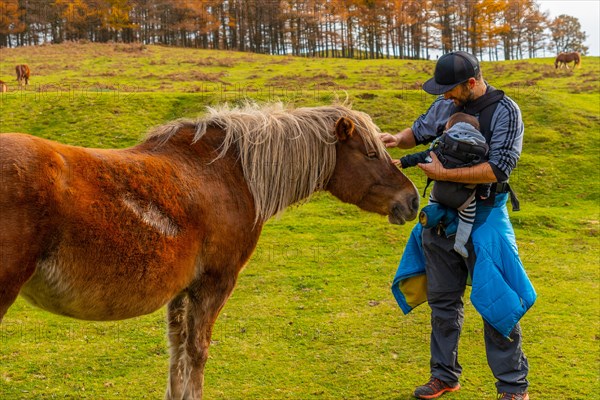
<point>588,13</point>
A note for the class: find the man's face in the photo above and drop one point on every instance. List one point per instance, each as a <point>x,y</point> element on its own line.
<point>460,94</point>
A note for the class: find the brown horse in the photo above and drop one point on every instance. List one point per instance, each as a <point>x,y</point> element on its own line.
<point>563,59</point>
<point>3,87</point>
<point>113,234</point>
<point>22,74</point>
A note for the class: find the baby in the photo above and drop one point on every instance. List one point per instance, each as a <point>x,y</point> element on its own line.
<point>461,145</point>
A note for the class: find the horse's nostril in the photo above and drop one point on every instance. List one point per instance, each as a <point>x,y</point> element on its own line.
<point>415,203</point>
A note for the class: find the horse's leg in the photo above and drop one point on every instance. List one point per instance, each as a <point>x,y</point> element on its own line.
<point>206,297</point>
<point>21,240</point>
<point>17,264</point>
<point>176,325</point>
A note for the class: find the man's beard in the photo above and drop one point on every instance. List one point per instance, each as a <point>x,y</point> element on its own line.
<point>468,98</point>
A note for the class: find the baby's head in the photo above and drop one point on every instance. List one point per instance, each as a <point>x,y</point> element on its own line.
<point>462,117</point>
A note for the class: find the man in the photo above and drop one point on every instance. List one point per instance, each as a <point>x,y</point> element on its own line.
<point>458,77</point>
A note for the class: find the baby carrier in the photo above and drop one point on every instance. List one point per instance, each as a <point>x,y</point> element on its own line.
<point>461,146</point>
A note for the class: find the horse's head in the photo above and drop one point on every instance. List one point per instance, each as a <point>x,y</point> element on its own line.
<point>364,175</point>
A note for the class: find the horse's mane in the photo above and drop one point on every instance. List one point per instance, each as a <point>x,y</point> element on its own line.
<point>286,153</point>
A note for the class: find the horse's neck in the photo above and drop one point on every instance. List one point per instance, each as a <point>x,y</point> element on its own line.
<point>184,140</point>
<point>274,182</point>
<point>281,174</point>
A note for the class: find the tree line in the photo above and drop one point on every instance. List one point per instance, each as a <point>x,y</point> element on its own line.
<point>508,29</point>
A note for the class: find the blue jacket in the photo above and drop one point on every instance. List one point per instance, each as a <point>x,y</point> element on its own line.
<point>501,291</point>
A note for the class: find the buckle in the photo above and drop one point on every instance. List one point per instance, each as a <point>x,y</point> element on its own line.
<point>501,187</point>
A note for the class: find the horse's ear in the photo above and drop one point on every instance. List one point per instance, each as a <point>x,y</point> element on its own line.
<point>344,128</point>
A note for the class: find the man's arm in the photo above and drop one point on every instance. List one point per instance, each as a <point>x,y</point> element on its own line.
<point>480,173</point>
<point>507,141</point>
<point>404,139</point>
<point>425,129</point>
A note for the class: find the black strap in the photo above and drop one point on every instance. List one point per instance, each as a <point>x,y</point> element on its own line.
<point>485,106</point>
<point>429,180</point>
<point>514,200</point>
<point>504,187</point>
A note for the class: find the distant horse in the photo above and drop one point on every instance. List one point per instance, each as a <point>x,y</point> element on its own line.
<point>3,87</point>
<point>22,74</point>
<point>112,234</point>
<point>563,59</point>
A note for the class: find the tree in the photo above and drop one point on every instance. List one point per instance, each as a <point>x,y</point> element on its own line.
<point>536,23</point>
<point>513,27</point>
<point>489,21</point>
<point>567,35</point>
<point>116,19</point>
<point>10,21</point>
<point>445,11</point>
<point>78,18</point>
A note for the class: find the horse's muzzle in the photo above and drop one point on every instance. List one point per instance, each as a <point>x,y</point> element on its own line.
<point>400,213</point>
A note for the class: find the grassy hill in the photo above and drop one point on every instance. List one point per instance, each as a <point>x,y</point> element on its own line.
<point>312,315</point>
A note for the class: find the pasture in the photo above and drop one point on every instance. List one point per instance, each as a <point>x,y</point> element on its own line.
<point>312,315</point>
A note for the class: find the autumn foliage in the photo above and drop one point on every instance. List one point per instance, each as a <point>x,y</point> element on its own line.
<point>332,28</point>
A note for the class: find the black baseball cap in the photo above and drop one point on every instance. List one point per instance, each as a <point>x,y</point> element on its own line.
<point>451,70</point>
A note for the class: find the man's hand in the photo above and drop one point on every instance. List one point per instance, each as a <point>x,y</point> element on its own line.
<point>403,139</point>
<point>389,140</point>
<point>480,173</point>
<point>434,170</point>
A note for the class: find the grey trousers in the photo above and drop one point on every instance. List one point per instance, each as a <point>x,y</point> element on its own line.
<point>447,273</point>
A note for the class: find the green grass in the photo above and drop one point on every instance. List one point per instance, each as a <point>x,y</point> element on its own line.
<point>312,315</point>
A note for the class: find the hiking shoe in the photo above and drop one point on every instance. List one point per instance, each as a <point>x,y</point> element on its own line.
<point>513,396</point>
<point>435,388</point>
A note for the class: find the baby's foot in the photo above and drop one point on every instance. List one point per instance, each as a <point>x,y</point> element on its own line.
<point>461,249</point>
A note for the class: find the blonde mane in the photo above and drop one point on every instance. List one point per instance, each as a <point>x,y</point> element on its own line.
<point>286,153</point>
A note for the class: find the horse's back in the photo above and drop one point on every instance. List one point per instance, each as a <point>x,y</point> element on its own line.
<point>22,70</point>
<point>21,165</point>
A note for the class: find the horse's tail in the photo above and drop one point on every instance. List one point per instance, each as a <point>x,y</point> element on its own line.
<point>577,60</point>
<point>556,62</point>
